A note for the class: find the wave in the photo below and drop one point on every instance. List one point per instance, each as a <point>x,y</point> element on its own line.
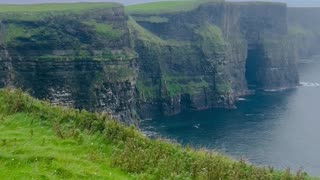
<point>276,90</point>
<point>309,84</point>
<point>196,126</point>
<point>149,133</point>
<point>248,115</point>
<point>242,99</point>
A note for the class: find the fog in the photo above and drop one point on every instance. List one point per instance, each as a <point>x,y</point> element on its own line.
<point>292,3</point>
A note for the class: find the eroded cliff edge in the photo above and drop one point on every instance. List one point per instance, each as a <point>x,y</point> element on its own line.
<point>148,64</point>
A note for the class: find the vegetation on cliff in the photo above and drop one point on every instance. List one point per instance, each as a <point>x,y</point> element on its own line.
<point>156,55</point>
<point>43,141</point>
<point>75,31</point>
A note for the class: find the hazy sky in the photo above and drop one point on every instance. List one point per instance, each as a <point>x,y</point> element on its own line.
<point>290,2</point>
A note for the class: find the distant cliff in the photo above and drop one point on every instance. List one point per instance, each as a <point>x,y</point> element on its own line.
<point>150,63</point>
<point>304,30</point>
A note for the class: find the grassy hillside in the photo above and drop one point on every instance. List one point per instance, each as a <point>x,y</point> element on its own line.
<point>34,145</point>
<point>33,151</point>
<point>40,141</point>
<point>5,8</point>
<point>166,6</point>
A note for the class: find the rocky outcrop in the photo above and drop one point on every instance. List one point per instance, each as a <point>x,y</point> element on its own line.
<point>148,65</point>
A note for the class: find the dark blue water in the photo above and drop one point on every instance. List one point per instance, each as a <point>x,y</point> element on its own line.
<point>279,129</point>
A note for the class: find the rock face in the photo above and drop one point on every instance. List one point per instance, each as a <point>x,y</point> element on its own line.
<point>79,84</point>
<point>148,65</point>
<point>270,61</point>
<point>205,58</point>
<point>304,30</point>
<point>77,60</point>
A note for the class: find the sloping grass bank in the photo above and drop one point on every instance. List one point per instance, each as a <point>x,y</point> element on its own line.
<point>40,141</point>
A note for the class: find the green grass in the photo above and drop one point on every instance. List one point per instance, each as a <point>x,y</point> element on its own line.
<point>106,30</point>
<point>32,150</point>
<point>147,91</point>
<point>88,40</point>
<point>14,31</point>
<point>148,37</point>
<point>152,19</point>
<point>161,7</point>
<point>166,6</point>
<point>212,39</point>
<point>75,7</point>
<point>224,88</point>
<point>40,141</point>
<point>176,85</point>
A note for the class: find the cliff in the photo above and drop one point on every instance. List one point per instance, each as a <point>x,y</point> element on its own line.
<point>207,56</point>
<point>198,56</point>
<point>79,56</point>
<point>304,29</point>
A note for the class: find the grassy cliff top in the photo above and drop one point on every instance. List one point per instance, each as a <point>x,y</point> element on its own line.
<point>75,7</point>
<point>40,141</point>
<point>65,31</point>
<point>166,6</point>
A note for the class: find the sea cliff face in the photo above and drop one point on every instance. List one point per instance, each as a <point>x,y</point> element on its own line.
<point>95,86</point>
<point>80,60</point>
<point>218,49</point>
<point>148,64</point>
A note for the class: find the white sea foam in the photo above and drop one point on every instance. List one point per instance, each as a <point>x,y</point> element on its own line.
<point>309,84</point>
<point>275,90</point>
<point>242,99</point>
<point>149,133</point>
<point>197,126</point>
